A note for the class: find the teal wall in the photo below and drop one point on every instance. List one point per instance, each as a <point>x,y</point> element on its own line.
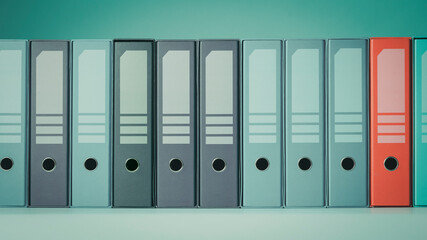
<point>68,19</point>
<point>59,19</point>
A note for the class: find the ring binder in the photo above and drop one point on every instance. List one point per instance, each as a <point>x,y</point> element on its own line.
<point>91,118</point>
<point>49,81</point>
<point>133,138</point>
<point>13,122</point>
<point>262,137</point>
<point>219,121</point>
<point>305,123</point>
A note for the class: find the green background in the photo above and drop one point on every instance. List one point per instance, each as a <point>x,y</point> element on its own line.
<point>173,19</point>
<point>166,19</point>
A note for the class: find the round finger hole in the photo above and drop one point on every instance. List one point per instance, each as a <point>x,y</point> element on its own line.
<point>391,163</point>
<point>48,164</point>
<point>262,164</point>
<point>218,164</point>
<point>304,164</point>
<point>347,163</point>
<point>175,165</point>
<point>91,164</point>
<point>6,164</point>
<point>132,165</point>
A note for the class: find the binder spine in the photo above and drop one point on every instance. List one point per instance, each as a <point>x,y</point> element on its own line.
<point>176,127</point>
<point>347,123</point>
<point>13,122</point>
<point>48,166</point>
<point>219,121</point>
<point>133,147</point>
<point>390,156</point>
<point>305,123</point>
<point>91,128</point>
<point>262,123</point>
<point>419,121</point>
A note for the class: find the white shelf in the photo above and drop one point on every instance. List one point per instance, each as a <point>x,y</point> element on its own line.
<point>215,224</point>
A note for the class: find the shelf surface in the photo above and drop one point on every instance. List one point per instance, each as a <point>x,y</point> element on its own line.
<point>116,224</point>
